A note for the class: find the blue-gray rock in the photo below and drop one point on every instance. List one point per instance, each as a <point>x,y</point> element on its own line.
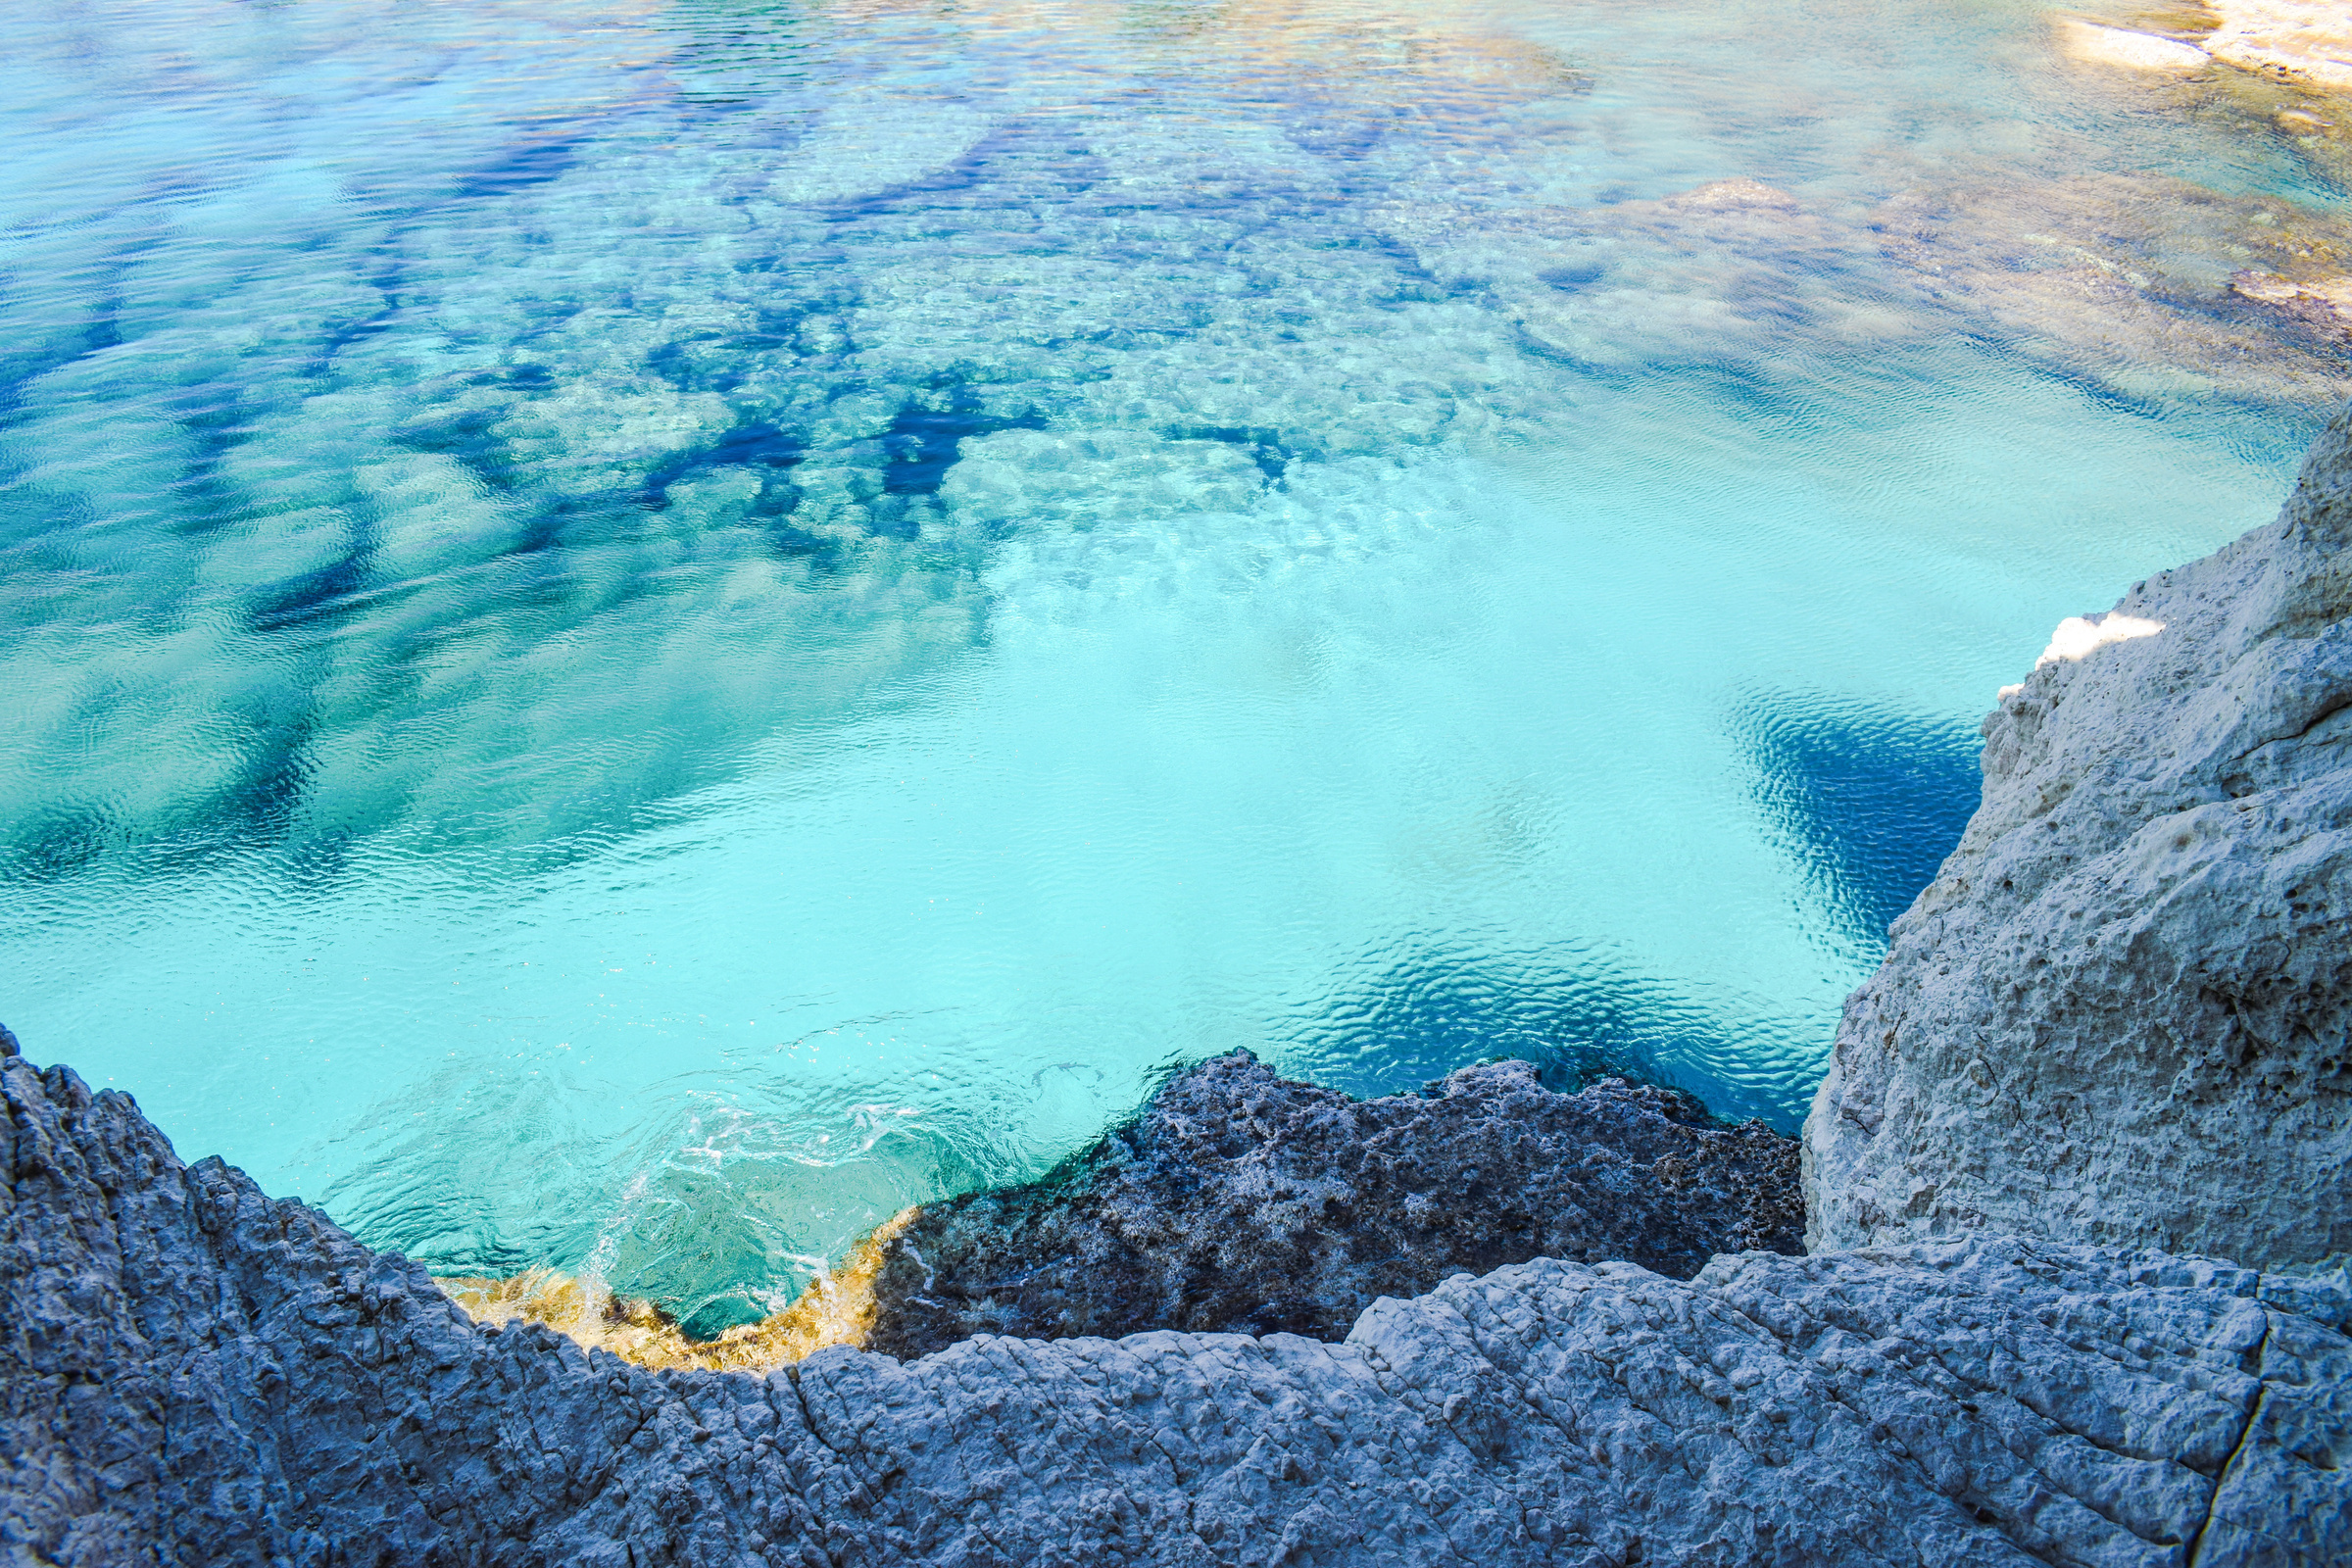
<point>195,1373</point>
<point>1242,1203</point>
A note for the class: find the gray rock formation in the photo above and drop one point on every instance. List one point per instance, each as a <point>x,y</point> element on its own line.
<point>2119,1013</point>
<point>195,1373</point>
<point>1239,1201</point>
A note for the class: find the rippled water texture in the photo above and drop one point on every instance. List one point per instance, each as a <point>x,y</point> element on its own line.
<point>633,636</point>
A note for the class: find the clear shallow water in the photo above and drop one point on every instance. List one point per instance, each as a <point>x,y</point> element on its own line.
<point>635,636</point>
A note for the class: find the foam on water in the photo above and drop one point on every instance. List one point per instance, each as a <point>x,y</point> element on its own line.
<point>635,637</point>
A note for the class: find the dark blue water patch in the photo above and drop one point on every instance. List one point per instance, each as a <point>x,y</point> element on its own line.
<point>1017,165</point>
<point>1868,801</point>
<point>312,598</point>
<point>519,168</point>
<point>319,356</point>
<point>924,442</point>
<point>1569,279</point>
<point>31,348</point>
<point>464,435</point>
<point>262,800</point>
<point>761,446</point>
<point>1576,1018</point>
<point>257,802</point>
<point>765,448</point>
<point>208,502</point>
<point>54,844</point>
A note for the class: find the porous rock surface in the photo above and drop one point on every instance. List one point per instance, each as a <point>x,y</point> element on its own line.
<point>2120,1012</point>
<point>1244,1202</point>
<point>195,1373</point>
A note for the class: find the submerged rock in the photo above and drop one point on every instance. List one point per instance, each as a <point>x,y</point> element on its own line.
<point>2148,284</point>
<point>194,1373</point>
<point>2122,1011</point>
<point>1239,1201</point>
<point>2306,39</point>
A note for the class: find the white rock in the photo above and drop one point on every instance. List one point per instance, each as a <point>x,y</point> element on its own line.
<point>2119,1013</point>
<point>2134,51</point>
<point>2309,41</point>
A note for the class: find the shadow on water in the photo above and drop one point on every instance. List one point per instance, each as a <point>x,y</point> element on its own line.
<point>1866,801</point>
<point>1429,1012</point>
<point>923,443</point>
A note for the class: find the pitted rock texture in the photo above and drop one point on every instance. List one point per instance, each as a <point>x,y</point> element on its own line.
<point>197,1374</point>
<point>1242,1203</point>
<point>2120,1012</point>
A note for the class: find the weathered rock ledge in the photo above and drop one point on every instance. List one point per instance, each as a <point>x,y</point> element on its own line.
<point>196,1373</point>
<point>2122,1011</point>
<point>1242,1203</point>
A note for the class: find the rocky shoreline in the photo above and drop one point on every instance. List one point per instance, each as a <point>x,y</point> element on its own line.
<point>2110,1036</point>
<point>1242,1203</point>
<point>200,1374</point>
<point>1236,1201</point>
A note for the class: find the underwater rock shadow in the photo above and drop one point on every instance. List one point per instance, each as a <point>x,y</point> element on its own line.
<point>1572,1017</point>
<point>1866,801</point>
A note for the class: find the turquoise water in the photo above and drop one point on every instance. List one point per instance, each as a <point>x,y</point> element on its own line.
<point>634,636</point>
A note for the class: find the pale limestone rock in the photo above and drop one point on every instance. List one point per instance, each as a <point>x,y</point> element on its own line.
<point>2306,40</point>
<point>2092,43</point>
<point>2119,1014</point>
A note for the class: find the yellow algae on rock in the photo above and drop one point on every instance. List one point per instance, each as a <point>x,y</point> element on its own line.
<point>837,1309</point>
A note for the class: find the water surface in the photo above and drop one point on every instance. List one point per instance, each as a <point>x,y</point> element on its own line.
<point>637,634</point>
